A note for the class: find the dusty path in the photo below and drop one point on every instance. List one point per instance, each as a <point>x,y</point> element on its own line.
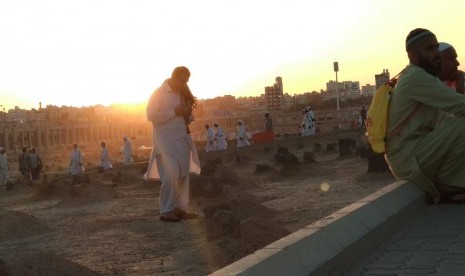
<point>100,228</point>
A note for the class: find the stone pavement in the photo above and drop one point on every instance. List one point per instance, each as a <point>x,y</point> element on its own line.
<point>432,243</point>
<point>391,232</point>
<point>332,245</point>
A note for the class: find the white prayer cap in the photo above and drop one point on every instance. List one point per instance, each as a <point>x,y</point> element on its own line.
<point>443,46</point>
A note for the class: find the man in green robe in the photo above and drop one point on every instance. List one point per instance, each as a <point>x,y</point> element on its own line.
<point>430,154</point>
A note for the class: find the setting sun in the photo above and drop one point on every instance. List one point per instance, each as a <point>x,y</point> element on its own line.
<point>104,52</point>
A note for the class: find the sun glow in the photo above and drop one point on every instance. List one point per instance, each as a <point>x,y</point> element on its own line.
<point>136,108</point>
<point>63,53</point>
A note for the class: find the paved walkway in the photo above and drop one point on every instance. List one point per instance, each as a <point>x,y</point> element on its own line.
<point>432,243</point>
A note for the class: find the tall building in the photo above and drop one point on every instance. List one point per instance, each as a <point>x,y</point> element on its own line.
<point>332,87</point>
<point>382,78</point>
<point>274,95</point>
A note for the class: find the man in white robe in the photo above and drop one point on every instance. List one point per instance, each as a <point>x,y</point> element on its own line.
<point>75,164</point>
<point>174,154</point>
<point>311,120</point>
<point>127,151</point>
<point>4,167</point>
<point>220,137</point>
<point>305,123</point>
<point>268,122</point>
<point>242,139</point>
<point>105,162</point>
<point>211,143</point>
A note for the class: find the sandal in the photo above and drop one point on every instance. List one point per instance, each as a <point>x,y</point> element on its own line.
<point>184,215</point>
<point>170,217</point>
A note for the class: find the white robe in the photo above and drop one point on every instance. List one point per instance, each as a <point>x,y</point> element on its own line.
<point>311,123</point>
<point>308,127</point>
<point>221,138</point>
<point>76,162</point>
<point>242,139</point>
<point>211,145</point>
<point>127,152</point>
<point>105,159</point>
<point>174,154</point>
<point>4,169</point>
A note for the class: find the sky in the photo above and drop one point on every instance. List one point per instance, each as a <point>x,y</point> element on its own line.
<point>89,52</point>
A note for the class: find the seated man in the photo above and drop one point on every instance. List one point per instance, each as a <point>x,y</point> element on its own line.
<point>450,74</point>
<point>431,155</point>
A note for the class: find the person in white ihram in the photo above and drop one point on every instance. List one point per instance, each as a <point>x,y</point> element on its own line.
<point>127,151</point>
<point>242,139</point>
<point>305,123</point>
<point>174,154</point>
<point>105,157</point>
<point>211,146</point>
<point>311,120</point>
<point>220,137</point>
<point>75,164</point>
<point>4,167</point>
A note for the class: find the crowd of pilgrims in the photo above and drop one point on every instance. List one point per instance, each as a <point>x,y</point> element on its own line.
<point>30,162</point>
<point>76,164</point>
<point>217,138</point>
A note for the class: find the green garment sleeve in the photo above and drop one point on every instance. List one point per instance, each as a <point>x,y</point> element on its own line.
<point>429,90</point>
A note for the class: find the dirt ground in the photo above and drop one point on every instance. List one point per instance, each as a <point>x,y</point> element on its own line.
<point>246,199</point>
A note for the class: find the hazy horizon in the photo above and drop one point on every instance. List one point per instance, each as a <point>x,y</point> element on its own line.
<point>102,52</point>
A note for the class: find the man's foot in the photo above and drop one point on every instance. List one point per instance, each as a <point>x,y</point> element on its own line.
<point>454,198</point>
<point>184,215</point>
<point>170,217</point>
<point>451,194</point>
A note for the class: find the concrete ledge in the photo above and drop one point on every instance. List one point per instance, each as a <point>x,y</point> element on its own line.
<point>330,245</point>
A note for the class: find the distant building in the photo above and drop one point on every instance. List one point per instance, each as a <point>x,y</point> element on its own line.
<point>3,115</point>
<point>17,114</point>
<point>345,90</point>
<point>227,102</point>
<point>52,113</point>
<point>352,87</point>
<point>251,103</point>
<point>288,101</point>
<point>274,95</point>
<point>368,90</point>
<point>308,98</point>
<point>382,78</point>
<point>210,107</point>
<point>332,87</point>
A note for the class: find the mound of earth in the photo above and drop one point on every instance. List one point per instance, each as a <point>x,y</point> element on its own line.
<point>16,225</point>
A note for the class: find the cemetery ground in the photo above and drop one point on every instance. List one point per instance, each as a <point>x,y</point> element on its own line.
<point>107,223</point>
